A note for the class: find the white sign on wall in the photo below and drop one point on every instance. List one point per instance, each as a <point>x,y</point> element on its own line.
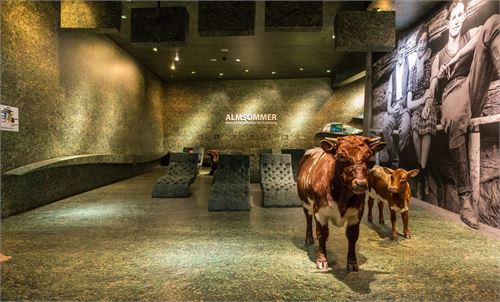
<point>252,118</point>
<point>9,118</point>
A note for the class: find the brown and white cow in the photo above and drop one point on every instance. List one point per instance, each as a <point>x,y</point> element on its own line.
<point>392,188</point>
<point>331,184</point>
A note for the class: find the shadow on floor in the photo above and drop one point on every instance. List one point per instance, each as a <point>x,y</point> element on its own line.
<point>358,282</point>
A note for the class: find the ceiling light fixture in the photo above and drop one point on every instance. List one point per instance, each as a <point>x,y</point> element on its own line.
<point>221,74</point>
<point>328,70</point>
<point>274,72</point>
<point>224,49</point>
<point>238,60</point>
<point>172,66</point>
<point>155,49</point>
<point>246,70</point>
<point>176,57</point>
<point>124,17</point>
<point>193,72</point>
<point>378,9</point>
<point>213,60</point>
<point>333,36</point>
<point>301,68</point>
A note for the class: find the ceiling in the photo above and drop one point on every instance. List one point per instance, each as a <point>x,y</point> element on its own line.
<point>264,55</point>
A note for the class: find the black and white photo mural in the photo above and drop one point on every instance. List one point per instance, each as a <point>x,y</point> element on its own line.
<point>436,100</point>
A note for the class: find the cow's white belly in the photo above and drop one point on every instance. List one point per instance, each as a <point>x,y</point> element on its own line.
<point>332,213</point>
<point>376,198</point>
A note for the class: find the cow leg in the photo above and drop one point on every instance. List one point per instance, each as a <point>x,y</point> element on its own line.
<point>394,235</point>
<point>352,233</point>
<point>381,212</point>
<point>370,205</point>
<point>309,234</point>
<point>322,235</point>
<point>406,230</point>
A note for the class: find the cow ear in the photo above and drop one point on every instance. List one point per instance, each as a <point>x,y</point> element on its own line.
<point>329,146</point>
<point>377,147</point>
<point>413,172</point>
<point>387,170</point>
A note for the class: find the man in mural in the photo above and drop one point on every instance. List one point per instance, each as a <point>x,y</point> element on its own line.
<point>398,115</point>
<point>460,77</point>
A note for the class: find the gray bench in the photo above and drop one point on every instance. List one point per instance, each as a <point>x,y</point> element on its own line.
<point>180,174</point>
<point>231,189</point>
<point>297,155</point>
<point>278,187</point>
<point>255,154</point>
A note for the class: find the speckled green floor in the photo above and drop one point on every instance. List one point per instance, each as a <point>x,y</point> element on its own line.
<point>116,243</point>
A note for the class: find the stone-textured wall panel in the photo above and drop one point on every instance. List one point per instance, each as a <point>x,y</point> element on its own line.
<point>365,31</point>
<point>195,112</point>
<point>77,93</point>
<point>94,16</point>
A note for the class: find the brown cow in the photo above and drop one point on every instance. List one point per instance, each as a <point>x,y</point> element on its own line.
<point>214,160</point>
<point>391,187</point>
<point>331,184</point>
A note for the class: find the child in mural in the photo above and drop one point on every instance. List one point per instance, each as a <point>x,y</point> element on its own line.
<point>398,115</point>
<point>460,77</point>
<point>422,129</point>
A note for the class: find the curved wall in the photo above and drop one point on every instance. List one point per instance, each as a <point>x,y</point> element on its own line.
<point>77,93</point>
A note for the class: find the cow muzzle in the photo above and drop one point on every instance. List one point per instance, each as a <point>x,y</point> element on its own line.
<point>359,186</point>
<point>393,189</point>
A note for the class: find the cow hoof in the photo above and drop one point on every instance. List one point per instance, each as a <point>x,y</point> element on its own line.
<point>322,264</point>
<point>352,267</point>
<point>309,241</point>
<point>407,236</point>
<point>394,237</point>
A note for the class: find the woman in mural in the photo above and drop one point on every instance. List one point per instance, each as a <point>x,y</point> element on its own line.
<point>422,128</point>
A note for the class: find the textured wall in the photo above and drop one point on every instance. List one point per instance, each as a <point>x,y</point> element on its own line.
<point>195,112</point>
<point>77,93</point>
<point>365,31</point>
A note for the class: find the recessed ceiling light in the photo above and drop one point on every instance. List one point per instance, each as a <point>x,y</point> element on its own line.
<point>221,74</point>
<point>155,49</point>
<point>328,70</point>
<point>224,49</point>
<point>274,72</point>
<point>193,72</point>
<point>124,17</point>
<point>301,68</point>
<point>176,57</point>
<point>246,70</point>
<point>213,60</point>
<point>172,66</point>
<point>333,36</point>
<point>238,60</point>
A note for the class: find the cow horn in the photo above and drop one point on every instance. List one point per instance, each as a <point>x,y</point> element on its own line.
<point>333,139</point>
<point>374,140</point>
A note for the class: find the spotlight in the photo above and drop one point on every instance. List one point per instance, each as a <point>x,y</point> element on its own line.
<point>193,72</point>
<point>221,74</point>
<point>301,68</point>
<point>333,36</point>
<point>274,72</point>
<point>238,60</point>
<point>328,70</point>
<point>124,17</point>
<point>172,66</point>
<point>176,57</point>
<point>155,49</point>
<point>246,70</point>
